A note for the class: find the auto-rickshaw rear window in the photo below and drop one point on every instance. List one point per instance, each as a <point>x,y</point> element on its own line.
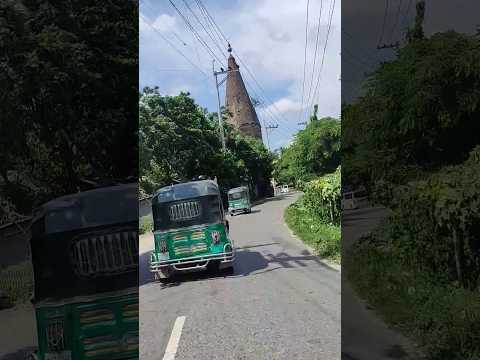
<point>237,195</point>
<point>185,210</point>
<point>177,214</point>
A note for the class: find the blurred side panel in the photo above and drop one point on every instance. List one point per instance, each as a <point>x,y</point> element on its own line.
<point>410,179</point>
<point>69,179</point>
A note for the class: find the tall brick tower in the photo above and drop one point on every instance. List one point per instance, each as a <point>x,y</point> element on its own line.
<point>242,114</point>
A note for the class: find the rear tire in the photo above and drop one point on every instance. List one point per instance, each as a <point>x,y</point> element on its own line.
<point>213,266</point>
<point>229,270</point>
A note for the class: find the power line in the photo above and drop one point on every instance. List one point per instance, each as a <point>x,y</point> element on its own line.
<point>173,46</point>
<point>384,23</point>
<point>210,24</point>
<point>305,58</point>
<point>316,48</point>
<point>194,31</point>
<point>397,16</point>
<point>405,15</point>
<point>206,31</point>
<point>324,52</point>
<point>213,21</point>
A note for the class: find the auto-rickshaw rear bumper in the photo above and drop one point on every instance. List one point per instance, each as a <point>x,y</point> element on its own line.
<point>195,262</point>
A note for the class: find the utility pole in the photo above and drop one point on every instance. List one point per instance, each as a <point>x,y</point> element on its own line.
<point>269,127</point>
<point>220,122</point>
<point>217,87</point>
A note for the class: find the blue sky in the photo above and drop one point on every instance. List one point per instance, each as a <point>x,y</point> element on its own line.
<point>267,35</point>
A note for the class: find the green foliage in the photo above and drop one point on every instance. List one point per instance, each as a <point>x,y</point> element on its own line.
<point>322,197</point>
<point>145,224</point>
<point>315,218</point>
<point>16,282</point>
<point>443,319</point>
<point>68,96</point>
<point>324,238</point>
<point>419,112</point>
<point>314,152</point>
<point>427,212</point>
<point>179,140</point>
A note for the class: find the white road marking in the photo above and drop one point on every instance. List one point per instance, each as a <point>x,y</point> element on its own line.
<point>172,345</point>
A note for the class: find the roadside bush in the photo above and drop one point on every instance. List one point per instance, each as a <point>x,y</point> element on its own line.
<point>322,197</point>
<point>315,217</point>
<point>145,224</point>
<point>16,282</point>
<point>435,222</point>
<point>443,319</point>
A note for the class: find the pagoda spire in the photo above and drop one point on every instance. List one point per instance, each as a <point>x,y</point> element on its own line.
<point>241,113</point>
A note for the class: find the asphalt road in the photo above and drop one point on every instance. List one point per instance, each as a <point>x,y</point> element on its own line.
<point>281,302</point>
<point>364,335</point>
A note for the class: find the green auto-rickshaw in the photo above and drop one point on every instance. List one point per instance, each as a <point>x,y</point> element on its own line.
<point>190,230</point>
<point>239,200</point>
<point>85,261</point>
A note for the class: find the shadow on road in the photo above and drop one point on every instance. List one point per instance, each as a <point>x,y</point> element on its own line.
<point>20,354</point>
<point>247,263</point>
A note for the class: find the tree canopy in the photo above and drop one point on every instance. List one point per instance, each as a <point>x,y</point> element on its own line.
<point>68,96</point>
<point>315,151</point>
<point>420,111</point>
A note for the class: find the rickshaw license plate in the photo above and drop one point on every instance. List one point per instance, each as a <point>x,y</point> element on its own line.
<point>66,355</point>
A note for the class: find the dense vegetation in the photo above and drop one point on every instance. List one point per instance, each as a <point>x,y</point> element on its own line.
<point>315,218</point>
<point>68,98</point>
<point>312,164</point>
<point>179,140</point>
<point>314,152</point>
<point>412,140</point>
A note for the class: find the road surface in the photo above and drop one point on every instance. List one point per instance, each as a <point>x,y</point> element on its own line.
<point>364,335</point>
<point>281,302</point>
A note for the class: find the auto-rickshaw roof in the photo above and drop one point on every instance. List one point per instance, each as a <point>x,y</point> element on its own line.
<point>185,191</point>
<point>113,204</point>
<point>237,189</point>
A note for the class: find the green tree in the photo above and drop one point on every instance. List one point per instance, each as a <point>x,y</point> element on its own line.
<point>68,96</point>
<point>420,111</point>
<point>315,151</point>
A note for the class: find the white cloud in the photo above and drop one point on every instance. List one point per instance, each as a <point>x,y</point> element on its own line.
<point>164,23</point>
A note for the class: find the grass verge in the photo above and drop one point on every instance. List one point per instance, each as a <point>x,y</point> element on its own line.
<point>145,224</point>
<point>323,238</point>
<point>442,318</point>
<point>16,283</point>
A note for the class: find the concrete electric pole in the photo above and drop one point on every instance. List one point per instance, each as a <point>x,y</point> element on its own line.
<point>217,87</point>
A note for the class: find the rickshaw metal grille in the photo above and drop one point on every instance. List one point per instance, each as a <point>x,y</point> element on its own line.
<point>185,210</point>
<point>55,337</point>
<point>102,254</point>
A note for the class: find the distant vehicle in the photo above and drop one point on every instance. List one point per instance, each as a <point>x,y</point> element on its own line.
<point>354,199</point>
<point>190,230</point>
<point>239,200</point>
<point>284,189</point>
